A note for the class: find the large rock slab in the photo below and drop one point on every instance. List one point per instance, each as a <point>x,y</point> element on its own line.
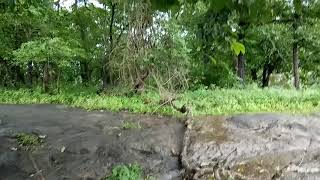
<point>261,146</point>
<point>86,145</point>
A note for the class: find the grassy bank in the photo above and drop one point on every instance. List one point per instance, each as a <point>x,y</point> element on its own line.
<point>202,101</point>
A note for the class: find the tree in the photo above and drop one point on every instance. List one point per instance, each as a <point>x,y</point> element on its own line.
<point>86,34</point>
<point>169,44</point>
<point>229,21</point>
<point>268,50</point>
<point>50,53</point>
<point>21,22</point>
<point>296,14</point>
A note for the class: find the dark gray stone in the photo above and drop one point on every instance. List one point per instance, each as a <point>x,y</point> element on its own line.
<point>90,142</point>
<point>261,146</point>
<point>86,145</point>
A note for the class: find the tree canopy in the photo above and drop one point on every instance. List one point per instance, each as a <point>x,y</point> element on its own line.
<point>166,44</point>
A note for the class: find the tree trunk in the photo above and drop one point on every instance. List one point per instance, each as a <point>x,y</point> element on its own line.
<point>45,81</point>
<point>85,73</point>
<point>254,74</point>
<point>296,66</point>
<point>267,71</point>
<point>20,75</point>
<point>105,78</point>
<point>235,64</point>
<point>36,73</point>
<point>30,74</point>
<point>295,50</point>
<point>105,70</point>
<point>241,57</point>
<point>4,73</point>
<point>17,76</point>
<point>241,67</point>
<point>58,80</point>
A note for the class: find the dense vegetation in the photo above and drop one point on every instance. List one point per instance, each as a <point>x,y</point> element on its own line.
<point>202,101</point>
<point>214,56</point>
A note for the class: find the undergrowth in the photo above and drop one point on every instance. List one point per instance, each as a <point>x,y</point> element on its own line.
<point>130,125</point>
<point>202,101</point>
<point>126,172</point>
<point>28,140</point>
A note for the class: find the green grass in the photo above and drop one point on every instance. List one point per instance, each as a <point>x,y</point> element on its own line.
<point>126,172</point>
<point>201,101</point>
<point>130,125</point>
<point>28,140</point>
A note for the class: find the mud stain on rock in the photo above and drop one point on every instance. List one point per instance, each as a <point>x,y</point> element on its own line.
<point>210,129</point>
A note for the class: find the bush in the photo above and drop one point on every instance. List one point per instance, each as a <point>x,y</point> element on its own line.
<point>123,172</point>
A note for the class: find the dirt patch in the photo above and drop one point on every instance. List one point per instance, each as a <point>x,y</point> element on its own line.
<point>209,128</point>
<point>86,145</point>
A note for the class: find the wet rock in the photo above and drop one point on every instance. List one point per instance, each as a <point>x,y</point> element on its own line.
<point>8,158</point>
<point>263,146</point>
<point>86,145</point>
<point>10,161</point>
<point>84,151</point>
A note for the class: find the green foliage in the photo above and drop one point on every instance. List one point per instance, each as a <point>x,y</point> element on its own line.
<point>124,172</point>
<point>165,5</point>
<point>130,125</point>
<point>216,73</point>
<point>203,101</point>
<point>178,43</point>
<point>252,99</point>
<point>54,50</point>
<point>268,45</point>
<point>238,47</point>
<point>28,140</point>
<point>297,4</point>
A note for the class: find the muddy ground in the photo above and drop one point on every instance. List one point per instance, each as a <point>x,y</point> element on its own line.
<point>86,145</point>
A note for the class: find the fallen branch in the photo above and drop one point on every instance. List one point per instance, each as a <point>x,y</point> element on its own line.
<point>140,83</point>
<point>305,152</point>
<point>161,105</point>
<point>38,171</point>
